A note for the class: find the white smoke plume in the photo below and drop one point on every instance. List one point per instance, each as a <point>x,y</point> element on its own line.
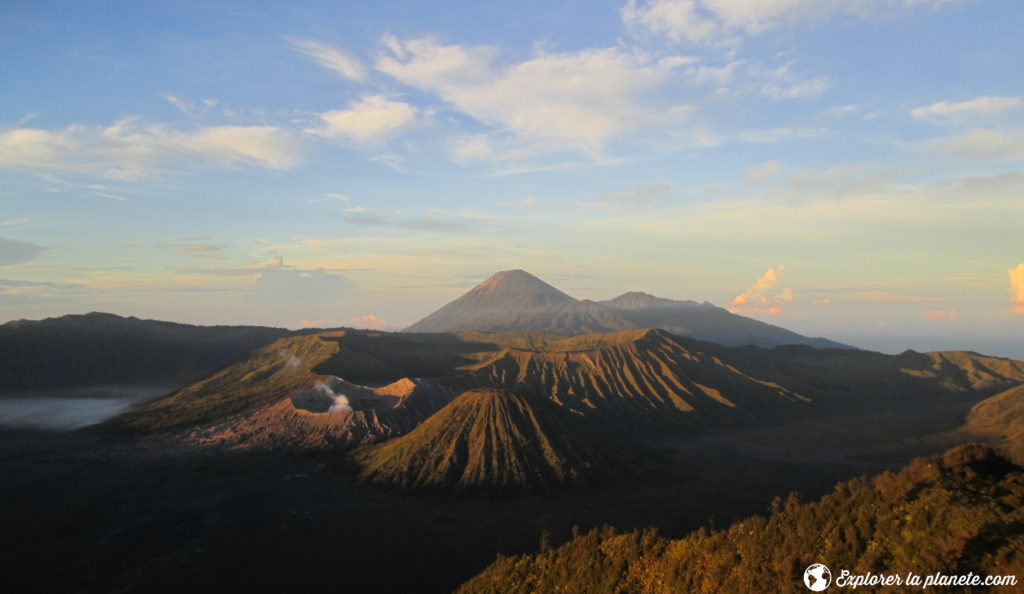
<point>341,403</point>
<point>291,361</point>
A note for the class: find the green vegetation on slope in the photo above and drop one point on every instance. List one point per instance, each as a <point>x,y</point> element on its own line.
<point>955,513</point>
<point>494,440</point>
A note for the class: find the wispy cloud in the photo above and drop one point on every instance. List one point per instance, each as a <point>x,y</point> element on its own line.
<point>640,195</point>
<point>369,322</point>
<point>369,119</point>
<point>723,22</point>
<point>762,173</point>
<point>980,106</point>
<point>131,148</point>
<point>197,247</point>
<point>550,103</point>
<point>13,251</point>
<point>431,221</point>
<point>331,57</point>
<point>941,314</point>
<point>981,144</point>
<point>189,108</point>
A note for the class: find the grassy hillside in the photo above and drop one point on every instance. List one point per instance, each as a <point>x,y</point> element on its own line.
<point>956,513</point>
<point>494,440</point>
<point>1002,417</point>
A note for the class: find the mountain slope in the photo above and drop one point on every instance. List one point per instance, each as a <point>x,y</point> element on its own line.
<point>99,348</point>
<point>286,396</point>
<point>495,440</point>
<point>331,414</point>
<point>503,296</point>
<point>955,513</point>
<point>635,380</point>
<point>516,301</point>
<point>628,382</point>
<point>1001,417</point>
<point>705,321</point>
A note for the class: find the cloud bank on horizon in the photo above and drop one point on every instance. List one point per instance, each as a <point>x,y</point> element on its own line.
<point>674,146</point>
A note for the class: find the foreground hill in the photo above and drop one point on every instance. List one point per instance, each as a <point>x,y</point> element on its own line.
<point>1001,417</point>
<point>98,348</point>
<point>956,513</point>
<point>517,301</point>
<point>495,440</point>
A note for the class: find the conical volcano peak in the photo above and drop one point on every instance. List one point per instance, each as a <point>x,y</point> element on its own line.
<point>497,440</point>
<point>518,282</point>
<point>502,297</point>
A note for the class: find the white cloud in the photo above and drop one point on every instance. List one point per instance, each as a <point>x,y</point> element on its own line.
<point>841,111</point>
<point>547,104</point>
<point>472,148</point>
<point>756,299</point>
<point>371,118</point>
<point>368,322</point>
<point>978,143</point>
<point>332,58</point>
<point>279,285</point>
<point>1016,275</point>
<point>763,172</point>
<point>721,21</point>
<point>130,148</point>
<point>980,106</point>
<point>190,109</point>
<point>782,83</point>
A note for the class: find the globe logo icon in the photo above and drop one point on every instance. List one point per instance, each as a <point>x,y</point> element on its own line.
<point>817,577</point>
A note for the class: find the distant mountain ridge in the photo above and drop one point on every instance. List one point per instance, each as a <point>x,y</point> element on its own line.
<point>102,348</point>
<point>517,301</point>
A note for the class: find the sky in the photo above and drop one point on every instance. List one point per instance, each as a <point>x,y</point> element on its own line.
<point>844,168</point>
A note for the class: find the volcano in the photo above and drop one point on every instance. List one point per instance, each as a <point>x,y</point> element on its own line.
<point>497,440</point>
<point>517,301</point>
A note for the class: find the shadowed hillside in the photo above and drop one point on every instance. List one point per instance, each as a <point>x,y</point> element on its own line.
<point>494,440</point>
<point>955,513</point>
<point>98,348</point>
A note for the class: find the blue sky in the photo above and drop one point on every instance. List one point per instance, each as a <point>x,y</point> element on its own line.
<point>851,169</point>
